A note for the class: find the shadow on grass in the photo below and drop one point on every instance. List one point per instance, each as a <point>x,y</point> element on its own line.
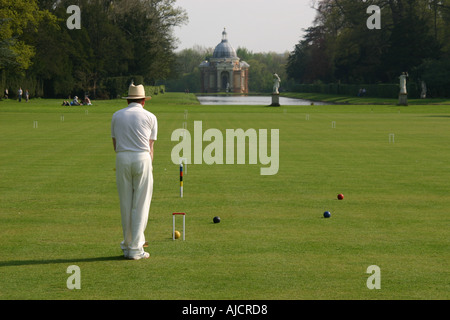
<point>52,261</point>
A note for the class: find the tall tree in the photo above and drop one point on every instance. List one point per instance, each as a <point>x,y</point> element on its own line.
<point>18,21</point>
<point>148,25</point>
<point>412,31</point>
<point>118,40</point>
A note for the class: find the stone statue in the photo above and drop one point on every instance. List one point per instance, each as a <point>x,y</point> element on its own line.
<point>403,82</point>
<point>403,95</point>
<point>423,94</point>
<point>276,83</point>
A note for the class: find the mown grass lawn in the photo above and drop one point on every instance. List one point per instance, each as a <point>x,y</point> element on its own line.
<point>59,205</point>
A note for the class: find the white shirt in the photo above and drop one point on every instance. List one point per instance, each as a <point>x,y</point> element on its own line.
<point>133,127</point>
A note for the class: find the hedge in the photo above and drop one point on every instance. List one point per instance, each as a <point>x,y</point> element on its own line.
<point>117,87</point>
<point>372,90</point>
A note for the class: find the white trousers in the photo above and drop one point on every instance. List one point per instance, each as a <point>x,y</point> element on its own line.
<point>134,178</point>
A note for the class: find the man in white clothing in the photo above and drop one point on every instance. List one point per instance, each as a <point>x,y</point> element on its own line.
<point>134,131</point>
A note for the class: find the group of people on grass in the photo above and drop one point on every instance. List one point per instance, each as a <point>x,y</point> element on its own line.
<point>19,94</point>
<point>76,102</point>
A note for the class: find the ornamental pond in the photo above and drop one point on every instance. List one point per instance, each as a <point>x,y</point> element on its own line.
<point>253,100</point>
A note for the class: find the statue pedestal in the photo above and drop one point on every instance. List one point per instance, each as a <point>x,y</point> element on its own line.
<point>403,99</point>
<point>275,100</point>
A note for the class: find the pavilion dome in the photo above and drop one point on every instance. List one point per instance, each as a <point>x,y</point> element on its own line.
<point>224,49</point>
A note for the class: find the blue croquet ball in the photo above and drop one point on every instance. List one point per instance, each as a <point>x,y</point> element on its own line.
<point>216,219</point>
<point>326,214</point>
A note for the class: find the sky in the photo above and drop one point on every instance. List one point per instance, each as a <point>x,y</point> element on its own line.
<point>258,25</point>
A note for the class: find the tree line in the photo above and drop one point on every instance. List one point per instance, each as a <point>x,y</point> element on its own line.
<point>119,41</point>
<point>124,40</point>
<point>339,48</point>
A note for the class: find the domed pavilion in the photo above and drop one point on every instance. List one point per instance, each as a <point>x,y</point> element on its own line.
<point>224,72</point>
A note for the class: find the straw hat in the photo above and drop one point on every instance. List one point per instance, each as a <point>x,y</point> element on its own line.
<point>136,92</point>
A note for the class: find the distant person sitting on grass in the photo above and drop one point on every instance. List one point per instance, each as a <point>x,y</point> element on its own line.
<point>362,92</point>
<point>87,101</point>
<point>75,102</point>
<point>66,103</point>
